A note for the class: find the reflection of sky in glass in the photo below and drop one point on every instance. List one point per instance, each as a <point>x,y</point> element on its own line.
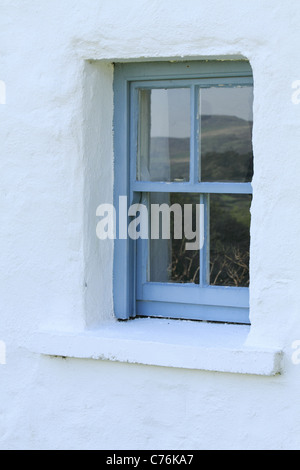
<point>236,101</point>
<point>170,113</point>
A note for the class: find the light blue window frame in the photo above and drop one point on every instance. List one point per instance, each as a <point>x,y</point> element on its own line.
<point>133,294</point>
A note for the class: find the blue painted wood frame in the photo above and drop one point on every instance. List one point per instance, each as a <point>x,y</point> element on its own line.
<point>133,294</point>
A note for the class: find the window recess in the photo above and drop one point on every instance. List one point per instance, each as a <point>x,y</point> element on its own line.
<point>184,152</point>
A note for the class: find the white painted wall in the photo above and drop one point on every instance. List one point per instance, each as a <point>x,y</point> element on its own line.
<point>56,167</point>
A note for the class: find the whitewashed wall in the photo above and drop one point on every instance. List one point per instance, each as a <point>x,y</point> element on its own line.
<point>56,167</point>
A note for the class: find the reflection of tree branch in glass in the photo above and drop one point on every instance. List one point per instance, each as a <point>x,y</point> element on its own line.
<point>229,240</point>
<point>170,261</point>
<point>184,267</point>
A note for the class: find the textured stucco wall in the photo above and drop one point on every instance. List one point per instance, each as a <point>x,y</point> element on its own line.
<point>56,167</point>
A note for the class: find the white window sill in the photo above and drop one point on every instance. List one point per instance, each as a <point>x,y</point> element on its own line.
<point>164,343</point>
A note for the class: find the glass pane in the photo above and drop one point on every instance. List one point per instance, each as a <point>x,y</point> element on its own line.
<point>164,135</point>
<point>174,246</point>
<point>229,239</point>
<point>226,134</point>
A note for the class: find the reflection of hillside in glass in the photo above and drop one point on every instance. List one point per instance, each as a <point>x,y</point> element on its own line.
<point>226,149</point>
<point>226,152</point>
<point>176,166</point>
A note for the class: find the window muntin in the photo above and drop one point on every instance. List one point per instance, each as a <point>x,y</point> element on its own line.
<point>195,290</point>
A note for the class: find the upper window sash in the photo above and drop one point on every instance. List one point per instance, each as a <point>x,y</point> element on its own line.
<point>195,137</point>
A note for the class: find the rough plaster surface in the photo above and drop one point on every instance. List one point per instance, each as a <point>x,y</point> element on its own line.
<point>56,166</point>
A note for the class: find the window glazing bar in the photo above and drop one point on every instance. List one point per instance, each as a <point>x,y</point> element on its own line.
<point>208,188</point>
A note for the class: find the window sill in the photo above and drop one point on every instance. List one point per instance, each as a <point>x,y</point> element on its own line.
<point>164,343</point>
